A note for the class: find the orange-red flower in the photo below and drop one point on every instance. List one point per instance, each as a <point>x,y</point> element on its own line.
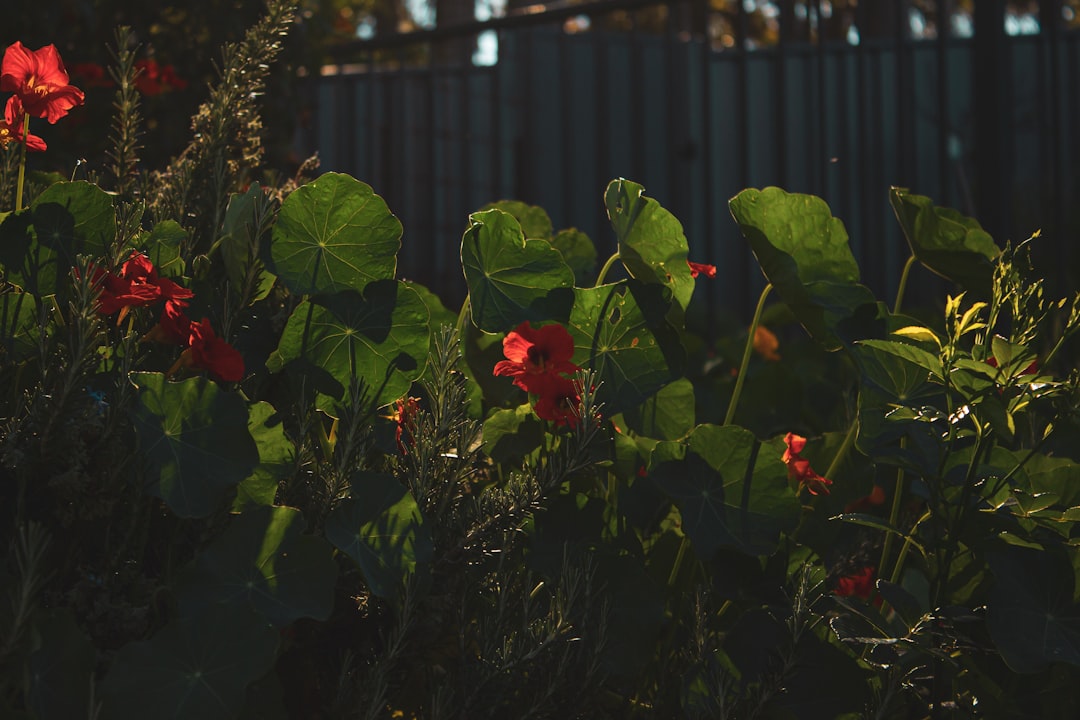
<point>559,402</point>
<point>799,468</point>
<point>405,411</point>
<point>766,344</point>
<point>91,75</point>
<point>11,129</point>
<point>211,353</point>
<point>536,358</point>
<point>174,327</point>
<point>137,285</point>
<point>696,269</point>
<point>858,584</point>
<point>154,79</point>
<point>40,81</point>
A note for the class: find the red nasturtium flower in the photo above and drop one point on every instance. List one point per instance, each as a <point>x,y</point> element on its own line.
<point>137,285</point>
<point>859,584</point>
<point>405,411</point>
<point>39,80</point>
<point>696,269</point>
<point>799,468</point>
<point>209,352</point>
<point>536,358</point>
<point>11,129</point>
<point>174,327</point>
<point>559,402</point>
<point>155,79</point>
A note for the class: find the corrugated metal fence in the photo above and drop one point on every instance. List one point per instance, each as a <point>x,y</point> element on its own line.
<point>559,115</point>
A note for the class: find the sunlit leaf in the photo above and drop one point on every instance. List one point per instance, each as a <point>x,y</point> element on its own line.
<point>276,457</point>
<point>334,234</point>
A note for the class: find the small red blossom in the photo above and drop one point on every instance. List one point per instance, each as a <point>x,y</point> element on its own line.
<point>559,402</point>
<point>405,411</point>
<point>696,269</point>
<point>174,327</point>
<point>11,129</point>
<point>155,79</point>
<point>136,285</point>
<point>91,75</point>
<point>536,358</point>
<point>859,584</point>
<point>799,468</point>
<point>211,353</point>
<point>39,80</point>
<point>1031,369</point>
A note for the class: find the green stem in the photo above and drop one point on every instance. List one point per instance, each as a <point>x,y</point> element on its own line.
<point>894,577</point>
<point>674,574</point>
<point>607,266</point>
<point>741,377</point>
<point>22,164</point>
<point>845,448</point>
<point>462,314</point>
<point>903,285</point>
<point>894,513</point>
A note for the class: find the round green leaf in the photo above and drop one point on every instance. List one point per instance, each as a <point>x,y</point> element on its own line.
<point>19,329</point>
<point>533,219</point>
<point>195,441</point>
<point>632,357</point>
<point>381,337</point>
<point>512,434</point>
<point>652,245</point>
<point>512,279</point>
<point>667,415</point>
<point>194,667</point>
<point>381,529</point>
<point>803,251</point>
<point>948,243</point>
<point>723,499</point>
<point>578,252</point>
<point>162,245</point>
<point>263,560</point>
<point>334,234</point>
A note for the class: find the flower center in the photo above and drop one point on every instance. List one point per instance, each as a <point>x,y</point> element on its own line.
<point>537,357</point>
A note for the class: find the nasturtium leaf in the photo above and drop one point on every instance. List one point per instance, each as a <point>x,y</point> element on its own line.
<point>1057,475</point>
<point>1030,612</point>
<point>195,440</point>
<point>730,491</point>
<point>163,246</point>
<point>578,251</point>
<point>887,380</point>
<point>381,337</point>
<point>652,245</point>
<point>912,353</point>
<point>194,667</point>
<point>512,434</point>
<point>946,242</point>
<point>380,527</point>
<point>512,279</point>
<point>334,234</point>
<point>276,457</point>
<point>60,668</point>
<point>19,327</point>
<point>38,246</point>
<point>804,253</point>
<point>533,219</point>
<point>667,415</point>
<point>632,357</point>
<point>263,560</point>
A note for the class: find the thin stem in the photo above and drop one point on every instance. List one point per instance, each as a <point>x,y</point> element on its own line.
<point>22,164</point>
<point>845,448</point>
<point>462,314</point>
<point>909,539</point>
<point>674,574</point>
<point>894,513</point>
<point>741,377</point>
<point>607,266</point>
<point>903,284</point>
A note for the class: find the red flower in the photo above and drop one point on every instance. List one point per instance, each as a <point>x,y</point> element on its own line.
<point>40,81</point>
<point>865,503</point>
<point>137,285</point>
<point>559,403</point>
<point>211,353</point>
<point>799,468</point>
<point>1031,369</point>
<point>859,584</point>
<point>535,358</point>
<point>11,129</point>
<point>696,269</point>
<point>91,74</point>
<point>405,411</point>
<point>174,327</point>
<point>154,79</point>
